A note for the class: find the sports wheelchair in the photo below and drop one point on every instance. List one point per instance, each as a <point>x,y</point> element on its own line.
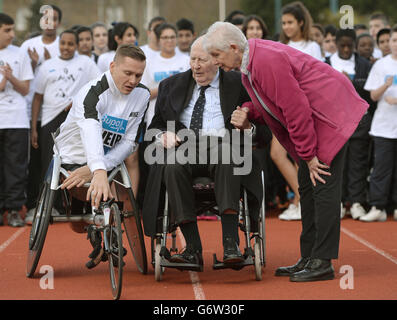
<point>107,220</point>
<point>255,248</point>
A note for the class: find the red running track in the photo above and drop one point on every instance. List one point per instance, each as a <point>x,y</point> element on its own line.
<point>370,249</point>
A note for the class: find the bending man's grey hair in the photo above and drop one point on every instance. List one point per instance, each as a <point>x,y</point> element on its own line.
<point>221,35</point>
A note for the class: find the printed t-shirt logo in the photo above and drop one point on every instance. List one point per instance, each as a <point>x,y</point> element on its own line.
<point>113,130</point>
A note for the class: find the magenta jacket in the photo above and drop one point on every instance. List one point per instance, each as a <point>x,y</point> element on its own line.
<point>317,107</point>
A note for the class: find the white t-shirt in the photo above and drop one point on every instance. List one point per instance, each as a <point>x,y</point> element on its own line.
<point>377,54</point>
<point>38,44</point>
<point>158,69</point>
<point>59,81</point>
<point>384,123</point>
<point>105,59</point>
<point>309,47</point>
<point>148,51</point>
<point>344,65</point>
<point>178,51</point>
<point>13,107</point>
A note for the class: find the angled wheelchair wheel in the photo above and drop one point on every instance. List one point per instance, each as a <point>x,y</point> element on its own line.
<point>115,252</point>
<point>133,227</point>
<point>39,228</point>
<point>262,234</point>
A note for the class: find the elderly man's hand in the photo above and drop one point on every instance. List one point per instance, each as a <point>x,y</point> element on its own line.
<point>240,119</point>
<point>169,140</point>
<point>315,169</point>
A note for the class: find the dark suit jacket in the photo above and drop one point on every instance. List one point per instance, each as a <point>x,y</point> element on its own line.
<point>173,97</point>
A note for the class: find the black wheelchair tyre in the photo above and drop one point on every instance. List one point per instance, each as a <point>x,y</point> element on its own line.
<point>39,228</point>
<point>116,251</point>
<point>133,227</point>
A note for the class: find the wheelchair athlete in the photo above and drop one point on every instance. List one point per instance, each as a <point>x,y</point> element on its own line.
<point>202,99</point>
<point>101,129</point>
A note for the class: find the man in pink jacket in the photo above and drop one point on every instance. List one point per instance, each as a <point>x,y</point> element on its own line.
<point>312,110</point>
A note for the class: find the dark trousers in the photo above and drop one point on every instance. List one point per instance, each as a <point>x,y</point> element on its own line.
<point>34,173</point>
<point>357,163</point>
<point>320,209</point>
<point>178,179</point>
<point>383,181</point>
<point>356,170</point>
<point>14,144</point>
<point>47,143</point>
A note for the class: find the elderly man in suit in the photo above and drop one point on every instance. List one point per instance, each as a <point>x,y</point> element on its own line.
<point>202,100</point>
<point>313,110</point>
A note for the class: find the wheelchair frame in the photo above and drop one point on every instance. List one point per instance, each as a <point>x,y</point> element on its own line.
<point>254,251</point>
<point>106,219</point>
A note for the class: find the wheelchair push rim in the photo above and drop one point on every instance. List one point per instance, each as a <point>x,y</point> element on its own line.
<point>115,251</point>
<point>39,229</point>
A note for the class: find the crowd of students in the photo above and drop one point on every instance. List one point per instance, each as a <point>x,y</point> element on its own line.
<point>39,79</point>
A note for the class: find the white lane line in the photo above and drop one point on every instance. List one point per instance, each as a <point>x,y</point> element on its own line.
<point>369,245</point>
<point>4,245</point>
<point>197,288</point>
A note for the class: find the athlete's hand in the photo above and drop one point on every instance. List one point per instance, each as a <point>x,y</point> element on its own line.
<point>99,187</point>
<point>77,178</point>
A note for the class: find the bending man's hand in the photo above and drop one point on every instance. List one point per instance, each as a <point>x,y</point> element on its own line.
<point>99,187</point>
<point>315,169</point>
<point>77,178</point>
<point>240,118</point>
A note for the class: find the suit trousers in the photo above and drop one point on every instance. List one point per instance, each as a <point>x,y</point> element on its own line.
<point>320,209</point>
<point>178,179</point>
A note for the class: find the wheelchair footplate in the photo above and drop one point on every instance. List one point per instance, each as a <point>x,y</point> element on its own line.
<point>248,261</point>
<point>164,262</point>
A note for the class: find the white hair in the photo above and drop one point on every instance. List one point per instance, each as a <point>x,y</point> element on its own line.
<point>221,35</point>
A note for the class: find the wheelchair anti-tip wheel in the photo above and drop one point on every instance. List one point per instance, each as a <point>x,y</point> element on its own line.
<point>115,252</point>
<point>158,269</point>
<point>39,228</point>
<point>257,259</point>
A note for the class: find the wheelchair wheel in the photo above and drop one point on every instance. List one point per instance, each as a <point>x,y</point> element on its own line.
<point>158,269</point>
<point>115,251</point>
<point>133,227</point>
<point>257,259</point>
<point>39,228</point>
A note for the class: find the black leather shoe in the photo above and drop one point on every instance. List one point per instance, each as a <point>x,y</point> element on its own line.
<point>315,270</point>
<point>189,255</point>
<point>287,271</point>
<point>14,219</point>
<point>231,252</point>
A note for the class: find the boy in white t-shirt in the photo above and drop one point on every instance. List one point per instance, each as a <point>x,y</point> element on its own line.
<point>39,48</point>
<point>382,83</point>
<point>58,81</point>
<point>15,75</point>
